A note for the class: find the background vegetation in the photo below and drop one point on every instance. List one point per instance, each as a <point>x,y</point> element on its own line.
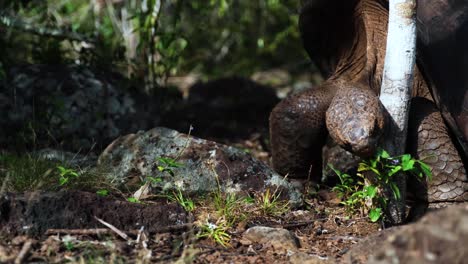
<point>151,40</point>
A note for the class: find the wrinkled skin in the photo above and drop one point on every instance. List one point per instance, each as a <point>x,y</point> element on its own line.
<point>347,40</point>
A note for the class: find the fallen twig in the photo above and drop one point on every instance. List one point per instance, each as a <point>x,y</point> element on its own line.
<point>24,252</point>
<point>300,224</point>
<point>85,232</point>
<point>351,238</point>
<point>113,228</point>
<point>105,231</point>
<point>173,228</point>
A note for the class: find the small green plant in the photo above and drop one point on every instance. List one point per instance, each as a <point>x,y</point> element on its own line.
<point>152,179</point>
<point>375,214</point>
<point>217,232</point>
<point>185,202</point>
<point>102,192</point>
<point>384,167</point>
<point>347,185</point>
<point>360,195</point>
<point>270,204</point>
<point>69,242</point>
<point>229,211</point>
<point>248,200</point>
<point>69,246</point>
<point>167,165</point>
<point>133,200</point>
<point>66,174</point>
<point>229,207</point>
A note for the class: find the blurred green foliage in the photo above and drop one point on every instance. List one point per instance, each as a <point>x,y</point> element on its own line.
<point>153,39</point>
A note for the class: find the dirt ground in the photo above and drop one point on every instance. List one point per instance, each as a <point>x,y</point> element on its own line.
<point>322,227</point>
<point>324,230</point>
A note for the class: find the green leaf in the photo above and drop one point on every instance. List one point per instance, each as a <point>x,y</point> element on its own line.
<point>63,181</point>
<point>405,158</point>
<point>382,153</point>
<point>61,169</point>
<point>102,192</point>
<point>371,191</point>
<point>337,172</point>
<point>169,162</point>
<point>188,205</point>
<point>69,245</point>
<point>376,171</point>
<point>396,190</point>
<point>394,170</point>
<point>163,160</point>
<point>133,200</point>
<point>358,195</point>
<point>249,200</point>
<point>182,43</point>
<point>363,167</point>
<point>375,214</point>
<point>407,162</point>
<point>408,165</point>
<point>154,179</point>
<point>176,164</point>
<point>426,170</point>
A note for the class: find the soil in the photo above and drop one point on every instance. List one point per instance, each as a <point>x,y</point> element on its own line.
<point>61,227</point>
<point>324,230</point>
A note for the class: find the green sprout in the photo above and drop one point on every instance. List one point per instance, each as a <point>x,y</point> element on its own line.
<point>270,204</point>
<point>217,232</point>
<point>102,192</point>
<point>133,200</point>
<point>185,202</point>
<point>66,174</point>
<point>168,164</point>
<point>362,196</point>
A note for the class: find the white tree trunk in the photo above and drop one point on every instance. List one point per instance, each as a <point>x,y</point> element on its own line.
<point>397,83</point>
<point>129,34</point>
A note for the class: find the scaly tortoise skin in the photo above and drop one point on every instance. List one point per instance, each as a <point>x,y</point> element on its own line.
<point>347,40</point>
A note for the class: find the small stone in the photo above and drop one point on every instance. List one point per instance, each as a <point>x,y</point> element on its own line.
<point>415,243</point>
<point>278,238</point>
<point>304,258</point>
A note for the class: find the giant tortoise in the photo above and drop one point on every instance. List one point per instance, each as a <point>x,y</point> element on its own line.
<point>347,41</point>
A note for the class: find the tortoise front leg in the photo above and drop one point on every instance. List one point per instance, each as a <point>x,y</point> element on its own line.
<point>298,132</point>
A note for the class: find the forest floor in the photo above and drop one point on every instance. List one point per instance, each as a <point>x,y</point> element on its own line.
<point>322,226</point>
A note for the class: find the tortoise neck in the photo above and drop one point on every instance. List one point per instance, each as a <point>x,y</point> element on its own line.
<point>362,61</point>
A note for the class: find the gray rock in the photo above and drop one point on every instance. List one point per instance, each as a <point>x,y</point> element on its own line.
<point>439,237</point>
<point>278,238</point>
<point>201,165</point>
